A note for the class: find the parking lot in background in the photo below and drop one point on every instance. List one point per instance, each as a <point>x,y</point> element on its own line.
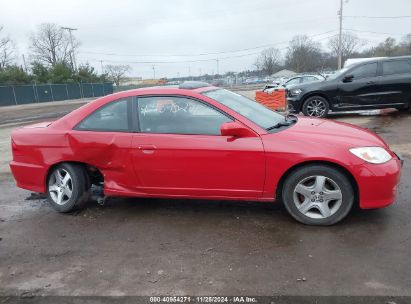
<point>179,247</point>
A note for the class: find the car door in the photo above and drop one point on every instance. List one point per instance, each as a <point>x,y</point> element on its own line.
<point>395,82</point>
<point>103,140</point>
<point>361,89</point>
<point>178,150</point>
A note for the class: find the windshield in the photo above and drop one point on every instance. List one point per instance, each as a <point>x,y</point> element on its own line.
<point>248,108</point>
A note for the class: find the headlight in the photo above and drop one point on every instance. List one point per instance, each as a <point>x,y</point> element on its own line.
<point>374,155</point>
<point>295,92</point>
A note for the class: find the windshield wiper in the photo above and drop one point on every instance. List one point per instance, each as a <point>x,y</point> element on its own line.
<point>283,123</point>
<point>280,124</point>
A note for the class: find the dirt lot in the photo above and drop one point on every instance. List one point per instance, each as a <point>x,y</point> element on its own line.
<point>192,247</point>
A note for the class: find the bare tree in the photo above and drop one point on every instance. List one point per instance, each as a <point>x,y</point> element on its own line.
<point>51,45</point>
<point>387,48</point>
<point>303,54</point>
<point>116,72</point>
<point>406,44</point>
<point>268,61</point>
<point>350,44</point>
<point>6,50</point>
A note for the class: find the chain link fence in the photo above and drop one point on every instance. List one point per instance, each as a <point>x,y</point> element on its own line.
<point>25,94</point>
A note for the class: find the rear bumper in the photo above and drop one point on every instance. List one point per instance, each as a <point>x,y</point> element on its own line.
<point>378,183</point>
<point>29,176</point>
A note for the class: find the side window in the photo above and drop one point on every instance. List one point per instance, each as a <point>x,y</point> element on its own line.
<point>178,115</point>
<point>396,67</point>
<point>364,71</point>
<point>293,81</point>
<point>309,79</point>
<point>111,117</point>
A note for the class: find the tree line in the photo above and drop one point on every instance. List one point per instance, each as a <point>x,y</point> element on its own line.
<point>303,54</point>
<point>53,52</point>
<point>51,60</point>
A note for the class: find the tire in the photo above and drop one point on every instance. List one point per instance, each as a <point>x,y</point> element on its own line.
<point>318,195</point>
<point>67,187</point>
<point>316,106</point>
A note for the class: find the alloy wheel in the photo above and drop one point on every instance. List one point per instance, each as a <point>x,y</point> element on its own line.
<point>317,197</point>
<point>60,186</point>
<point>316,108</point>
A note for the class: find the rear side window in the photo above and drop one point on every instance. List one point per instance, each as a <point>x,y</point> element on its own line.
<point>396,67</point>
<point>293,81</point>
<point>110,118</point>
<point>364,71</point>
<point>309,79</point>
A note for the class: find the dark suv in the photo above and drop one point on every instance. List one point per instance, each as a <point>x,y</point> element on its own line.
<point>372,84</point>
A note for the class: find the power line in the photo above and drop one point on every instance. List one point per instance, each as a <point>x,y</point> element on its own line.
<point>379,17</point>
<point>371,32</point>
<point>199,54</point>
<point>193,60</point>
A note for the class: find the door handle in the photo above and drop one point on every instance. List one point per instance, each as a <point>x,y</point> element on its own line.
<point>147,149</point>
<point>370,82</point>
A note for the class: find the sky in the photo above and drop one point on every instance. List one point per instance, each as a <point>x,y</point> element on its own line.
<point>187,38</point>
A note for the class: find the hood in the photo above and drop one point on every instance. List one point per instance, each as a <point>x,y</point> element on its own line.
<point>329,132</point>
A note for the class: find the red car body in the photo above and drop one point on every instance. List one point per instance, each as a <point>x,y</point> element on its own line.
<point>250,167</point>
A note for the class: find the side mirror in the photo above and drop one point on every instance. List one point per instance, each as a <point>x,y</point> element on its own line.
<point>348,78</point>
<point>235,129</point>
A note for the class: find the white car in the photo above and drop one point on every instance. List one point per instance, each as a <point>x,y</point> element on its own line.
<point>292,81</point>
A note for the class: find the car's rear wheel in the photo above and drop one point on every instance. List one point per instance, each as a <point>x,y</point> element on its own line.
<point>316,106</point>
<point>318,195</point>
<point>67,187</point>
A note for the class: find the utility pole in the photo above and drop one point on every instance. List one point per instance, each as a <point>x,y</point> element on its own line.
<point>217,61</point>
<point>24,62</point>
<point>102,67</point>
<point>70,29</point>
<point>340,14</point>
<point>154,71</point>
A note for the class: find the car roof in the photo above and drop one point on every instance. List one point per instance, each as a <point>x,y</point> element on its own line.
<point>167,90</point>
<point>307,75</point>
<point>351,62</point>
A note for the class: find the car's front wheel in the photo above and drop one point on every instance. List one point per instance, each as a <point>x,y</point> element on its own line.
<point>316,106</point>
<point>318,195</point>
<point>66,187</point>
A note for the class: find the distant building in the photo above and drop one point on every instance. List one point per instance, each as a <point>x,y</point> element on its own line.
<point>131,81</point>
<point>284,73</point>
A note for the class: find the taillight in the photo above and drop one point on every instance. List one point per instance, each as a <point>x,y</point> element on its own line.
<point>14,148</point>
<point>13,145</point>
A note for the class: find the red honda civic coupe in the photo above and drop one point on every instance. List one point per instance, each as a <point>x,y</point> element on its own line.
<point>204,142</point>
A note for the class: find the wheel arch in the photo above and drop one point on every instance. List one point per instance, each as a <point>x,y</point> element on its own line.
<point>312,94</point>
<point>88,169</point>
<point>345,171</point>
